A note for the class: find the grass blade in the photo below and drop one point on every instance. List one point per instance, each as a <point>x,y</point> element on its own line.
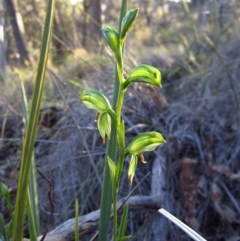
<point>2,228</point>
<point>31,221</point>
<point>123,223</point>
<point>33,209</point>
<point>76,221</point>
<point>31,129</point>
<point>182,225</point>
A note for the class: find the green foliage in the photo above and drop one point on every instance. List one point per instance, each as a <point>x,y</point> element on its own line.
<point>6,230</point>
<point>105,207</point>
<point>95,100</point>
<point>31,129</point>
<point>112,168</point>
<point>5,194</point>
<point>123,225</point>
<point>32,204</point>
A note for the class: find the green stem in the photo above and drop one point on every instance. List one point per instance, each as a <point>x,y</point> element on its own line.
<point>120,162</point>
<point>111,151</point>
<point>121,87</point>
<point>119,105</point>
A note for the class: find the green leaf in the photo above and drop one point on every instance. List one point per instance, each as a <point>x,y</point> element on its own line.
<point>112,169</point>
<point>29,140</point>
<point>106,200</point>
<point>104,125</point>
<point>125,238</point>
<point>32,207</point>
<point>147,141</point>
<point>2,228</point>
<point>112,37</point>
<point>146,74</point>
<point>94,99</point>
<point>127,23</point>
<point>4,191</point>
<point>123,223</point>
<point>132,168</point>
<point>6,195</point>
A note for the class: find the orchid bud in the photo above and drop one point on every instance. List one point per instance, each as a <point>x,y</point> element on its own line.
<point>127,23</point>
<point>112,37</point>
<point>146,74</point>
<point>147,141</point>
<point>94,99</point>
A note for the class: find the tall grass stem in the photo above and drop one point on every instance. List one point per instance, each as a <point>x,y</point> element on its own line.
<point>28,145</point>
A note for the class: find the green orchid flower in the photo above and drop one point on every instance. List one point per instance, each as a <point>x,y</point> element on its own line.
<point>94,99</point>
<point>146,74</point>
<point>147,141</point>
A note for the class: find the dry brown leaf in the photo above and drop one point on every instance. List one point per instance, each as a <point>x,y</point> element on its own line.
<point>188,180</point>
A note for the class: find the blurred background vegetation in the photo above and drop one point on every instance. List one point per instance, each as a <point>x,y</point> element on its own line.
<point>196,46</point>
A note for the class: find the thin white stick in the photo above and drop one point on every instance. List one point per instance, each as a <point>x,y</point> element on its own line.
<point>182,225</point>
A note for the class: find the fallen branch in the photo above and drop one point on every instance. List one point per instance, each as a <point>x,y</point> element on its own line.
<point>89,222</point>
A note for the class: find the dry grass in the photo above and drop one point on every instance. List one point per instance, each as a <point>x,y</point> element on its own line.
<point>199,119</point>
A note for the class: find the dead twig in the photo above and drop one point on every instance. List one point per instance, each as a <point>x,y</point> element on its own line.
<point>49,193</point>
